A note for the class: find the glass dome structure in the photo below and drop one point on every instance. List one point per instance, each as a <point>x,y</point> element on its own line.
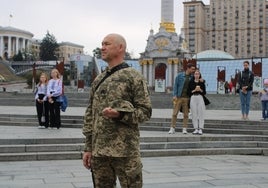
<point>213,55</point>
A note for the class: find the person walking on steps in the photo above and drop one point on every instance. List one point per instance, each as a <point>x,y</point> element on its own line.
<point>181,98</point>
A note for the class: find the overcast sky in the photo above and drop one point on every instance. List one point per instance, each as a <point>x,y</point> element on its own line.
<point>86,22</point>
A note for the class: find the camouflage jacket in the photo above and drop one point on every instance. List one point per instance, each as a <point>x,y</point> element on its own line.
<point>126,91</point>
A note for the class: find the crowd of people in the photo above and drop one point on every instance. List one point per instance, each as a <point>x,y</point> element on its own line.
<point>120,101</point>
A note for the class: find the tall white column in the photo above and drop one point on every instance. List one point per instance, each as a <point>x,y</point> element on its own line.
<point>169,82</point>
<point>23,43</point>
<point>145,70</point>
<point>28,44</point>
<point>17,45</point>
<point>9,46</point>
<point>175,71</point>
<point>2,46</point>
<point>151,73</point>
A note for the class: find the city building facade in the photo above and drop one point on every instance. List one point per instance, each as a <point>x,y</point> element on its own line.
<point>238,27</point>
<point>13,40</point>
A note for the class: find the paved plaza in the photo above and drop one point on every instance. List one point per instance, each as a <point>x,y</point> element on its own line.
<point>231,171</point>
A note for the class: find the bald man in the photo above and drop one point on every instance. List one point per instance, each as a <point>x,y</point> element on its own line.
<point>119,102</point>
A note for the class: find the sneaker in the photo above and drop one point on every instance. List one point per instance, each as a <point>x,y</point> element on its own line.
<point>184,131</point>
<point>195,131</point>
<point>171,131</point>
<point>200,132</point>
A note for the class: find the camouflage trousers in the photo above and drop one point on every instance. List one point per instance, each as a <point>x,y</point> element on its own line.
<point>105,171</point>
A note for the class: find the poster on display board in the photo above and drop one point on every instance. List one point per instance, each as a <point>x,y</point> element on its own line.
<point>220,89</point>
<point>257,84</point>
<point>160,85</point>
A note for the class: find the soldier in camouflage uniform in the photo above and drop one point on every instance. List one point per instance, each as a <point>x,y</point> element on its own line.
<point>111,123</point>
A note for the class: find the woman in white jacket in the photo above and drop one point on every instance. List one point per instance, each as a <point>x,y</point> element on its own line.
<point>54,90</point>
<point>41,101</point>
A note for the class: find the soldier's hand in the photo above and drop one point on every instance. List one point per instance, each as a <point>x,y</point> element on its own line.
<point>87,159</point>
<point>110,113</point>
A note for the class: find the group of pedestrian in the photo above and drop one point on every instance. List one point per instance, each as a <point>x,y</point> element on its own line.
<point>228,87</point>
<point>189,93</point>
<point>245,88</point>
<point>46,99</point>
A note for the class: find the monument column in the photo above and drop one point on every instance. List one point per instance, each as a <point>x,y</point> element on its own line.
<point>1,46</point>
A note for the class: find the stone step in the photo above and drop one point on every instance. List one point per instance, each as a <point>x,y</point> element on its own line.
<point>214,130</point>
<point>260,128</point>
<point>34,156</point>
<point>220,137</point>
<point>159,100</point>
<point>169,145</point>
<point>205,151</point>
<point>40,141</point>
<point>21,148</point>
<point>68,155</point>
<point>160,122</point>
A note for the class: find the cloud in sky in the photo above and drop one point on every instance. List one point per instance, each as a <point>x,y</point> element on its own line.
<point>86,22</point>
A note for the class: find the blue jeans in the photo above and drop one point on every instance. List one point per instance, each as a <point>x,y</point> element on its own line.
<point>264,105</point>
<point>245,101</point>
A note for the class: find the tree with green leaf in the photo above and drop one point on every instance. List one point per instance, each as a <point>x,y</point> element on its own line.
<point>97,52</point>
<point>48,48</point>
<point>18,57</point>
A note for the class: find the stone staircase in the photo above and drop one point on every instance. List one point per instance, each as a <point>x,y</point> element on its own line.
<point>221,137</point>
<point>159,100</point>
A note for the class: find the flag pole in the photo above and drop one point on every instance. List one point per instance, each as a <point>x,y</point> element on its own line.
<point>10,17</point>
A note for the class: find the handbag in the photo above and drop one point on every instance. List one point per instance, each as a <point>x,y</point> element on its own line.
<point>62,99</point>
<point>206,101</point>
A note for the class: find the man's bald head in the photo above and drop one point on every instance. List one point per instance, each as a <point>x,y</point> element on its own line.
<point>118,39</point>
